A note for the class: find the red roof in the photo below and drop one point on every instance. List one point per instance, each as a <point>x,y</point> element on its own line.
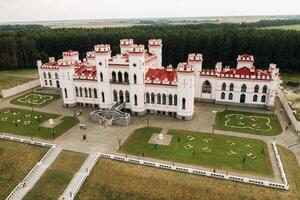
<point>50,65</point>
<point>245,71</point>
<point>157,76</point>
<point>84,72</point>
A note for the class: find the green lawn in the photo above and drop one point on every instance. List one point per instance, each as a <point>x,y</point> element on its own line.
<point>284,27</point>
<point>9,81</point>
<point>293,77</point>
<point>35,99</point>
<point>248,122</point>
<point>9,116</point>
<point>203,149</point>
<point>57,177</point>
<point>16,160</point>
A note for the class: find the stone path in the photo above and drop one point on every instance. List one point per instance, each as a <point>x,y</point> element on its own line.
<point>78,177</point>
<point>36,175</point>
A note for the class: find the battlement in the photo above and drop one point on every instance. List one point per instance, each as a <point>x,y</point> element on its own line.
<point>90,54</point>
<point>65,63</point>
<point>195,57</point>
<point>126,42</point>
<point>245,58</point>
<point>155,42</point>
<point>184,67</point>
<point>137,49</point>
<point>102,48</point>
<point>70,53</point>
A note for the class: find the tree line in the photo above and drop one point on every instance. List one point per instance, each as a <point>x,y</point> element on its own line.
<point>21,46</point>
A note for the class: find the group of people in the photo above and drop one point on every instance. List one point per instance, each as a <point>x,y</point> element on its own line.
<point>77,113</point>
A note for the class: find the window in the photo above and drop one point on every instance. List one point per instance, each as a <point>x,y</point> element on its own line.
<point>121,96</point>
<point>95,93</point>
<point>76,91</point>
<point>90,92</point>
<point>80,91</point>
<point>158,101</point>
<point>164,99</point>
<point>135,100</point>
<point>170,99</point>
<point>120,77</point>
<point>175,100</point>
<point>265,89</point>
<point>256,88</point>
<point>263,98</point>
<point>113,75</point>
<point>230,96</point>
<point>255,98</point>
<point>152,98</point>
<point>147,98</point>
<point>127,96</point>
<point>50,82</point>
<point>134,79</point>
<point>134,64</point>
<point>243,88</point>
<point>206,87</point>
<point>183,103</point>
<point>45,76</point>
<point>57,84</point>
<point>103,97</point>
<point>231,87</point>
<point>223,95</point>
<point>49,75</point>
<point>126,77</point>
<point>56,75</point>
<point>224,86</point>
<point>115,95</point>
<point>66,93</point>
<point>85,92</point>
<point>101,77</point>
<point>46,83</point>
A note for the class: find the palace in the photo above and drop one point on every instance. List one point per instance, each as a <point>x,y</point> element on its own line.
<point>136,79</point>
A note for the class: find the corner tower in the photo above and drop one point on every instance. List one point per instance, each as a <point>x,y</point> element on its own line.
<point>155,47</point>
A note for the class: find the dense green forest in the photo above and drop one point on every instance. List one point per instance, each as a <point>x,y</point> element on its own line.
<point>21,46</point>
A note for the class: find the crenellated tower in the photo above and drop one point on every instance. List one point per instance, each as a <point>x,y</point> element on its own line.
<point>155,47</point>
<point>126,45</point>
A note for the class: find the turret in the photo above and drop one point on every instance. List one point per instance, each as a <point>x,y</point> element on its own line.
<point>218,67</point>
<point>70,55</point>
<point>125,45</point>
<point>195,60</point>
<point>245,61</point>
<point>155,47</point>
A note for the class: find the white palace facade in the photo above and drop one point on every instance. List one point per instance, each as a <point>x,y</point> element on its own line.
<point>136,78</point>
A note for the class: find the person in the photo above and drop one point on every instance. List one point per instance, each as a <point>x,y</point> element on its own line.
<point>281,110</point>
<point>84,137</point>
<point>286,128</point>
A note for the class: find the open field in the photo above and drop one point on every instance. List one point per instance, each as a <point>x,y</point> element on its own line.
<point>248,122</point>
<point>285,27</point>
<point>20,72</point>
<point>116,180</point>
<point>214,151</point>
<point>9,81</point>
<point>28,123</point>
<point>35,99</point>
<point>57,177</point>
<point>16,161</point>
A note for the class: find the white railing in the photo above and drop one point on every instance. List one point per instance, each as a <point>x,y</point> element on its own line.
<point>26,141</point>
<point>280,165</point>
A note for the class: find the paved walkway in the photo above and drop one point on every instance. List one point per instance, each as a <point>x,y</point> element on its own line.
<point>36,175</point>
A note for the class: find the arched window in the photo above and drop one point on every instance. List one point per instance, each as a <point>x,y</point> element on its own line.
<point>175,100</point>
<point>127,96</point>
<point>147,97</point>
<point>256,88</point>
<point>113,75</point>
<point>231,87</point>
<point>49,75</point>
<point>50,82</point>
<point>265,89</point>
<point>152,98</point>
<point>158,101</point>
<point>263,98</point>
<point>223,95</point>
<point>255,98</point>
<point>95,93</point>
<point>115,95</point>
<point>126,77</point>
<point>170,99</point>
<point>66,93</point>
<point>183,103</point>
<point>101,77</point>
<point>57,84</point>
<point>230,96</point>
<point>46,83</point>
<point>224,86</point>
<point>135,100</point>
<point>243,88</point>
<point>85,92</point>
<point>121,96</point>
<point>164,99</point>
<point>45,75</point>
<point>56,75</point>
<point>134,79</point>
<point>76,91</point>
<point>242,98</point>
<point>120,77</point>
<point>103,97</point>
<point>80,91</point>
<point>206,87</point>
<point>90,92</point>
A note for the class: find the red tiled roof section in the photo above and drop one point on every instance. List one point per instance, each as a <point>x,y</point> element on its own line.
<point>162,75</point>
<point>50,65</point>
<point>246,71</point>
<point>84,72</point>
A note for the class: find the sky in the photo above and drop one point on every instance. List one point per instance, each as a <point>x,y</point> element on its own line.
<point>50,10</point>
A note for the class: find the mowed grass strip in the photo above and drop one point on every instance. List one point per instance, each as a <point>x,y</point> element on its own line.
<point>9,81</point>
<point>207,150</point>
<point>115,180</point>
<point>57,177</point>
<point>29,98</point>
<point>33,129</point>
<point>274,122</point>
<point>16,161</point>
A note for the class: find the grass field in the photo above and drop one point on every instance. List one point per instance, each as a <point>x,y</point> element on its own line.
<point>16,160</point>
<point>9,81</point>
<point>286,77</point>
<point>284,27</point>
<point>57,177</point>
<point>114,180</point>
<point>35,99</point>
<point>21,72</point>
<point>214,151</point>
<point>247,122</point>
<point>10,116</point>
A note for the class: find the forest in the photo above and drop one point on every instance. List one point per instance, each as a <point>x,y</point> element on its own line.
<point>21,46</point>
